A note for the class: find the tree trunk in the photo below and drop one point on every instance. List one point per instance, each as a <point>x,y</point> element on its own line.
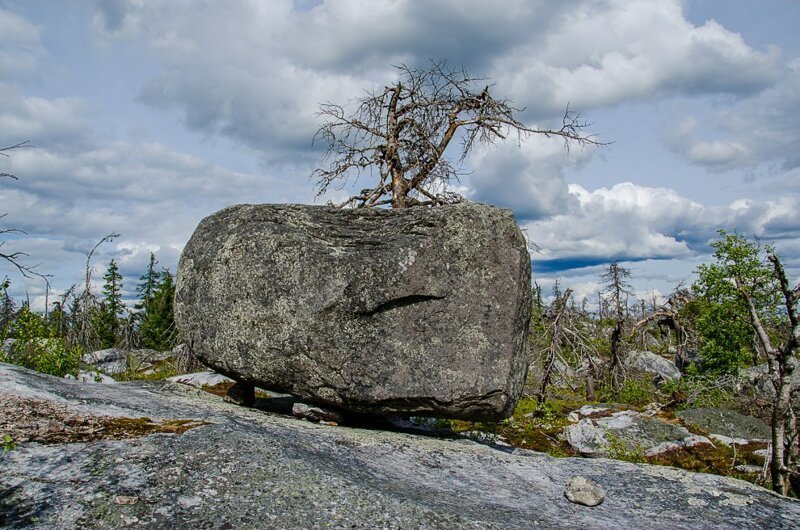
<point>616,335</point>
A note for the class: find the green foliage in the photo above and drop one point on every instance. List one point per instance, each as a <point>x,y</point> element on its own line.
<point>157,326</point>
<point>108,317</point>
<point>619,450</point>
<point>7,443</point>
<point>38,347</point>
<point>702,390</point>
<point>720,312</point>
<point>636,391</point>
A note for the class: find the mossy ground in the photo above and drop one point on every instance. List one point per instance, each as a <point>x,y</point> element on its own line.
<point>157,371</point>
<point>29,420</point>
<point>539,427</point>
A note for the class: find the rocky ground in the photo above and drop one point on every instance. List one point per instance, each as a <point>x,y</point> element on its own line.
<point>233,467</point>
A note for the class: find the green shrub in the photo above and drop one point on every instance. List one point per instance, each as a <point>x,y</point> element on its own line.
<point>636,391</point>
<point>703,391</point>
<point>40,349</point>
<point>7,443</point>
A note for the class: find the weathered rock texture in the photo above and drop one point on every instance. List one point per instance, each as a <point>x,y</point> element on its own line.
<point>248,468</point>
<point>420,311</point>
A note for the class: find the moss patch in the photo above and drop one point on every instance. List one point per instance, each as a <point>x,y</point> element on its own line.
<point>28,420</point>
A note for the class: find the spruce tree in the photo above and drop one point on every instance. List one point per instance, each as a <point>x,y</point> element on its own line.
<point>158,323</point>
<point>148,282</point>
<point>109,314</point>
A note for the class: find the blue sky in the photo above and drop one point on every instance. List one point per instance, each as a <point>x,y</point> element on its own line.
<point>148,116</point>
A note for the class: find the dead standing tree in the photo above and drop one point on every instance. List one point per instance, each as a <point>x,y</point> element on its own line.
<point>617,288</point>
<point>399,135</point>
<point>668,316</point>
<point>27,271</point>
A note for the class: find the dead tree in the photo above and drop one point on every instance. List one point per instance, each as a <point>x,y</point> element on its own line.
<point>83,330</point>
<point>557,315</point>
<point>668,316</point>
<point>616,287</point>
<point>782,363</point>
<point>398,136</point>
<point>27,271</point>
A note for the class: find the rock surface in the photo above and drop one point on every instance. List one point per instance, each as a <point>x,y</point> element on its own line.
<point>727,423</point>
<point>627,431</point>
<point>650,363</point>
<point>417,311</point>
<point>115,361</point>
<point>756,380</point>
<point>92,377</point>
<point>201,379</point>
<point>248,468</point>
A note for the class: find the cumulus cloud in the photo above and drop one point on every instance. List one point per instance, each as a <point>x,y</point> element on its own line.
<point>20,47</point>
<point>59,123</point>
<point>600,53</point>
<point>256,72</point>
<point>628,221</point>
<point>746,133</point>
<point>527,176</point>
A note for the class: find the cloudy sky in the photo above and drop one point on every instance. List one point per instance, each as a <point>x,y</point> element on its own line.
<point>149,115</point>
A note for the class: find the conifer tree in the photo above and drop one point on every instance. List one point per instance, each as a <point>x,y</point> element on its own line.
<point>158,323</point>
<point>110,312</point>
<point>147,286</point>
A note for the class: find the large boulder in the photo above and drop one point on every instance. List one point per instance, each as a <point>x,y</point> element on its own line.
<point>660,368</point>
<point>415,311</point>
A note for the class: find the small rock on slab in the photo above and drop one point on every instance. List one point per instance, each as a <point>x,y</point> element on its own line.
<point>650,363</point>
<point>200,379</point>
<point>91,377</point>
<point>581,490</point>
<point>316,413</point>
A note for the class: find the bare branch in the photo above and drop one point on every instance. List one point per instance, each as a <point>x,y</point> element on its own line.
<point>400,135</point>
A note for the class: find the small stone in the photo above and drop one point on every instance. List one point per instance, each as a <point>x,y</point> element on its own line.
<point>581,490</point>
<point>316,413</point>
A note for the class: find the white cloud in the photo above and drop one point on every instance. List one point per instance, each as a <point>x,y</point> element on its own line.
<point>628,221</point>
<point>761,129</point>
<point>601,53</point>
<point>256,72</point>
<point>526,176</point>
<point>20,49</point>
